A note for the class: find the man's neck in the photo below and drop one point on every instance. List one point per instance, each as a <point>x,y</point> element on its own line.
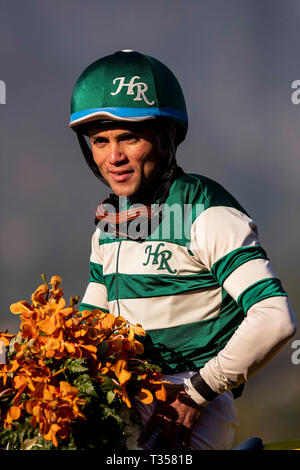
<point>158,189</point>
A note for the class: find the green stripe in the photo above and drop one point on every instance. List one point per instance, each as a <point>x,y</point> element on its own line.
<point>84,306</point>
<point>116,283</point>
<point>263,289</point>
<point>222,268</point>
<point>133,286</point>
<point>180,348</point>
<point>230,317</point>
<point>190,346</point>
<point>96,273</point>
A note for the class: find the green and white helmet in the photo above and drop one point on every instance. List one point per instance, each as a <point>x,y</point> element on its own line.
<point>128,86</point>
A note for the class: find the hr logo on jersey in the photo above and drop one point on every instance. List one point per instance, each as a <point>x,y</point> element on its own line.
<point>139,88</point>
<point>159,257</point>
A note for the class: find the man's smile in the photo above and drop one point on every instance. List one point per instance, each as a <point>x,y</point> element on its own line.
<point>120,176</point>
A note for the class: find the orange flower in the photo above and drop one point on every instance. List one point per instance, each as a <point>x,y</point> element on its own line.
<point>145,396</point>
<point>50,329</point>
<point>38,297</point>
<point>5,338</point>
<point>161,393</point>
<point>124,395</point>
<point>56,292</point>
<point>54,409</point>
<point>119,368</point>
<point>29,329</point>
<point>108,321</point>
<point>12,414</point>
<point>119,342</point>
<point>136,330</point>
<point>12,366</point>
<point>51,324</point>
<point>51,434</point>
<point>21,308</point>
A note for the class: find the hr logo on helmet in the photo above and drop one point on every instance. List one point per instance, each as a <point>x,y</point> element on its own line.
<point>139,89</point>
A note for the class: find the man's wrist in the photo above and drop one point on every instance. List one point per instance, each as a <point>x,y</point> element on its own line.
<point>199,390</point>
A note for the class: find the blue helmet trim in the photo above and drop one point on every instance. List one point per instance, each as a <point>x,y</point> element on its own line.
<point>130,113</point>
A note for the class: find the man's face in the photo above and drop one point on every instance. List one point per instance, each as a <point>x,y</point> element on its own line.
<point>128,156</point>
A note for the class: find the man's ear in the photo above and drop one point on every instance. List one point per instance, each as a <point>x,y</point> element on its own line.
<point>167,134</point>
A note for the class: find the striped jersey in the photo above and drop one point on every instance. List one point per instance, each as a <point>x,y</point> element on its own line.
<point>184,283</point>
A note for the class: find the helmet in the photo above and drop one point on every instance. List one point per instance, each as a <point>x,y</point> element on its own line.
<point>128,86</point>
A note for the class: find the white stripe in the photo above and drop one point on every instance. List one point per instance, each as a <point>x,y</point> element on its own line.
<point>95,294</point>
<point>170,310</point>
<point>96,255</point>
<point>219,230</point>
<point>135,258</point>
<point>246,275</point>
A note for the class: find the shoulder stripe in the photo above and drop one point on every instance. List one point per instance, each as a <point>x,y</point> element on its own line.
<point>259,291</point>
<point>222,268</point>
<point>247,274</point>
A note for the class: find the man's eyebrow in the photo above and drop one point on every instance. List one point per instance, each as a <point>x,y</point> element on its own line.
<point>128,133</point>
<point>96,136</point>
<point>120,136</point>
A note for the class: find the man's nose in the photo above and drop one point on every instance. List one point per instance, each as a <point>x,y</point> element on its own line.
<point>116,154</point>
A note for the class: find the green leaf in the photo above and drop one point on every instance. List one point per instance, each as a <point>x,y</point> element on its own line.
<point>85,385</point>
<point>76,366</point>
<point>110,397</point>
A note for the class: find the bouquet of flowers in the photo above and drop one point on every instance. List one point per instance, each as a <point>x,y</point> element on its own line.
<point>69,378</point>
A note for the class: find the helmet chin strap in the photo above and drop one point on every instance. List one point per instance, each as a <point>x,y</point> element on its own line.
<point>88,156</point>
<point>117,222</point>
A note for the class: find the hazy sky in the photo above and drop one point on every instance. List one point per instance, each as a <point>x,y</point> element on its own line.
<point>235,60</point>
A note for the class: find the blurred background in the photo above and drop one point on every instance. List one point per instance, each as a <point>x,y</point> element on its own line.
<point>236,61</point>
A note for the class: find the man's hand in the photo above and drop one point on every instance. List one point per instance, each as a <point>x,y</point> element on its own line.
<point>176,418</point>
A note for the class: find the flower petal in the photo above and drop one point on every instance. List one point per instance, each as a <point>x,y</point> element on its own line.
<point>145,396</point>
<point>138,330</point>
<point>14,413</point>
<point>21,307</point>
<point>161,393</point>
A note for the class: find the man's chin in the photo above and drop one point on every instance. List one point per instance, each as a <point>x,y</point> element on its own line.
<point>120,191</point>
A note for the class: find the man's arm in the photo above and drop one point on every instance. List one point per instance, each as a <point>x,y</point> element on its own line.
<point>266,329</point>
<point>269,322</point>
<point>95,295</point>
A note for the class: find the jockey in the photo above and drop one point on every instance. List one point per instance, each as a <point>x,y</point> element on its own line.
<point>174,252</point>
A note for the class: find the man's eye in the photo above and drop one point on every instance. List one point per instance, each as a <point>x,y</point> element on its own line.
<point>130,138</point>
<point>99,141</point>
